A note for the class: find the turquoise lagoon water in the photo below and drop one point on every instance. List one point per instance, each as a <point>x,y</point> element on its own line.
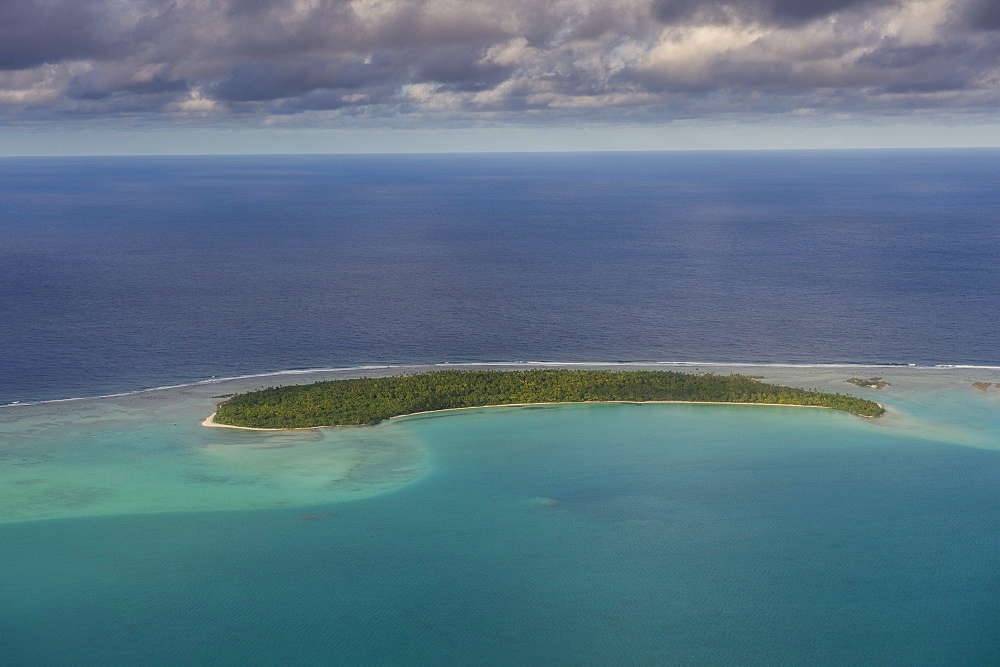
<point>592,534</point>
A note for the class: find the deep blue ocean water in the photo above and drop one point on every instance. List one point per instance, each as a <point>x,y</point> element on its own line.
<point>567,535</point>
<point>123,273</point>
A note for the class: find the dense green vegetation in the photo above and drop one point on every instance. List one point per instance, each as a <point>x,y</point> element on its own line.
<point>873,383</point>
<point>371,400</point>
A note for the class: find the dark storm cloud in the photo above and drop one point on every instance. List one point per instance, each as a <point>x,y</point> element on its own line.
<point>458,65</point>
<point>35,32</point>
<point>765,11</point>
<point>258,81</point>
<point>89,87</point>
<point>984,14</point>
<point>454,61</point>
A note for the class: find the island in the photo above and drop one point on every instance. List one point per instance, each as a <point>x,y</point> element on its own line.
<point>368,401</point>
<point>871,383</point>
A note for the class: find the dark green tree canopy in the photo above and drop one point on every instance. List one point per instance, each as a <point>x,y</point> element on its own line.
<point>365,401</point>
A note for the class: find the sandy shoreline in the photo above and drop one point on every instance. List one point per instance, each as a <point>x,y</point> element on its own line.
<point>210,421</point>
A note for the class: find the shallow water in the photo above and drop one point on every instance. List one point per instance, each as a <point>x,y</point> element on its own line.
<point>603,534</point>
<point>149,453</point>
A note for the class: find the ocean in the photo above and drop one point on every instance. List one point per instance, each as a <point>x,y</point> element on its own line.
<point>127,273</point>
<point>136,292</point>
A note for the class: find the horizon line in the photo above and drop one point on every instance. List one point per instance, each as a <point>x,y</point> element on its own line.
<point>849,149</point>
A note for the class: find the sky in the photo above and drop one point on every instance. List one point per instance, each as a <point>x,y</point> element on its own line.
<point>304,76</point>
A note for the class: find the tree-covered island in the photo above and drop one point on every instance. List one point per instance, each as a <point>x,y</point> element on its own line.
<point>871,383</point>
<point>366,401</point>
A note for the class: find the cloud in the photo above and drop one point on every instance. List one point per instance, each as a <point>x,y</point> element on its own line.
<point>983,14</point>
<point>429,62</point>
<point>768,12</point>
<point>35,32</point>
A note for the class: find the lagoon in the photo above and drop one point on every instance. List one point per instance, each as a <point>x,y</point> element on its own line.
<point>550,535</point>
